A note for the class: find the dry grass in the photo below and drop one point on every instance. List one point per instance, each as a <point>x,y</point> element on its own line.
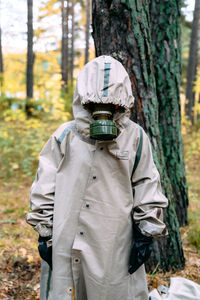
<point>191,270</point>
<point>19,260</point>
<point>191,233</point>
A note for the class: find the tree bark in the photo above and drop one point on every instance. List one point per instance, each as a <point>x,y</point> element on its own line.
<point>1,65</point>
<point>72,42</point>
<point>166,48</point>
<point>192,63</point>
<point>122,29</point>
<point>30,58</point>
<point>65,47</point>
<point>87,34</point>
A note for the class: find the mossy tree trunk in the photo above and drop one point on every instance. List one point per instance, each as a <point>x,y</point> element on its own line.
<point>121,28</point>
<point>166,49</point>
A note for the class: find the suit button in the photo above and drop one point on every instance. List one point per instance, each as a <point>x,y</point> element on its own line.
<point>87,205</point>
<point>81,233</point>
<point>94,177</point>
<point>69,290</point>
<point>77,260</point>
<point>101,148</point>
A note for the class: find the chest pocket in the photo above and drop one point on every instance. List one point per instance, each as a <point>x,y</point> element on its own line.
<point>123,155</point>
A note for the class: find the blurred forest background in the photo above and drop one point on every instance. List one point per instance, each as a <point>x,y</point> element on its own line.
<point>43,45</point>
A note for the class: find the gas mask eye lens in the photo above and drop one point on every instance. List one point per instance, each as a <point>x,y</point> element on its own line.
<point>103,127</point>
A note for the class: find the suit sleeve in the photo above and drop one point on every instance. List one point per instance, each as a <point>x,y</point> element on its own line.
<point>149,200</point>
<point>43,189</point>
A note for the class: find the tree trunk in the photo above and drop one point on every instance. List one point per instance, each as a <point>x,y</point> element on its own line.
<point>72,42</point>
<point>192,63</point>
<point>122,29</point>
<point>1,66</point>
<point>30,58</point>
<point>65,49</point>
<point>87,35</point>
<point>165,31</point>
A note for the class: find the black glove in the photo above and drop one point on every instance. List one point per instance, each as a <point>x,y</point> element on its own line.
<point>141,249</point>
<point>45,252</point>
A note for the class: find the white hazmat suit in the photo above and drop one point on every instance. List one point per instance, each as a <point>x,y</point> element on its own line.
<point>83,195</point>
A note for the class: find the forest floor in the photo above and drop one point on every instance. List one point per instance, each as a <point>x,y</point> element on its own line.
<point>19,259</point>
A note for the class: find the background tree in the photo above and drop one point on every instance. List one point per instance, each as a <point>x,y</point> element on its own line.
<point>166,49</point>
<point>73,29</point>
<point>47,33</point>
<point>72,41</point>
<point>87,34</point>
<point>30,58</point>
<point>1,66</point>
<point>1,57</point>
<point>123,29</point>
<point>193,62</point>
<point>65,46</point>
<point>186,28</point>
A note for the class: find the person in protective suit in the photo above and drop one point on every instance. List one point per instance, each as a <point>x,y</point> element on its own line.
<point>96,201</point>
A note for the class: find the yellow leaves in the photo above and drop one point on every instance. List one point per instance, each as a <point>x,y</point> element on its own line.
<point>39,31</point>
<point>21,143</point>
<point>49,8</point>
<point>7,119</point>
<point>47,78</point>
<point>197,83</point>
<point>14,115</point>
<point>192,144</point>
<point>32,123</point>
<point>197,96</point>
<point>14,75</point>
<point>15,166</point>
<point>30,258</point>
<point>5,134</point>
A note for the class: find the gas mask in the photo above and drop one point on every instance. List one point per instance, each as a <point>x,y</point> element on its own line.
<point>103,127</point>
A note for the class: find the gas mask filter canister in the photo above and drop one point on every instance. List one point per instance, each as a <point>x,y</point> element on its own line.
<point>103,128</point>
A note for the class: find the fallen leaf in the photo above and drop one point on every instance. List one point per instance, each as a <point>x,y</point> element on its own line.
<point>23,252</point>
<point>30,258</point>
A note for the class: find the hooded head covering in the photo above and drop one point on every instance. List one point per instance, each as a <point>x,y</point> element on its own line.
<point>102,80</point>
